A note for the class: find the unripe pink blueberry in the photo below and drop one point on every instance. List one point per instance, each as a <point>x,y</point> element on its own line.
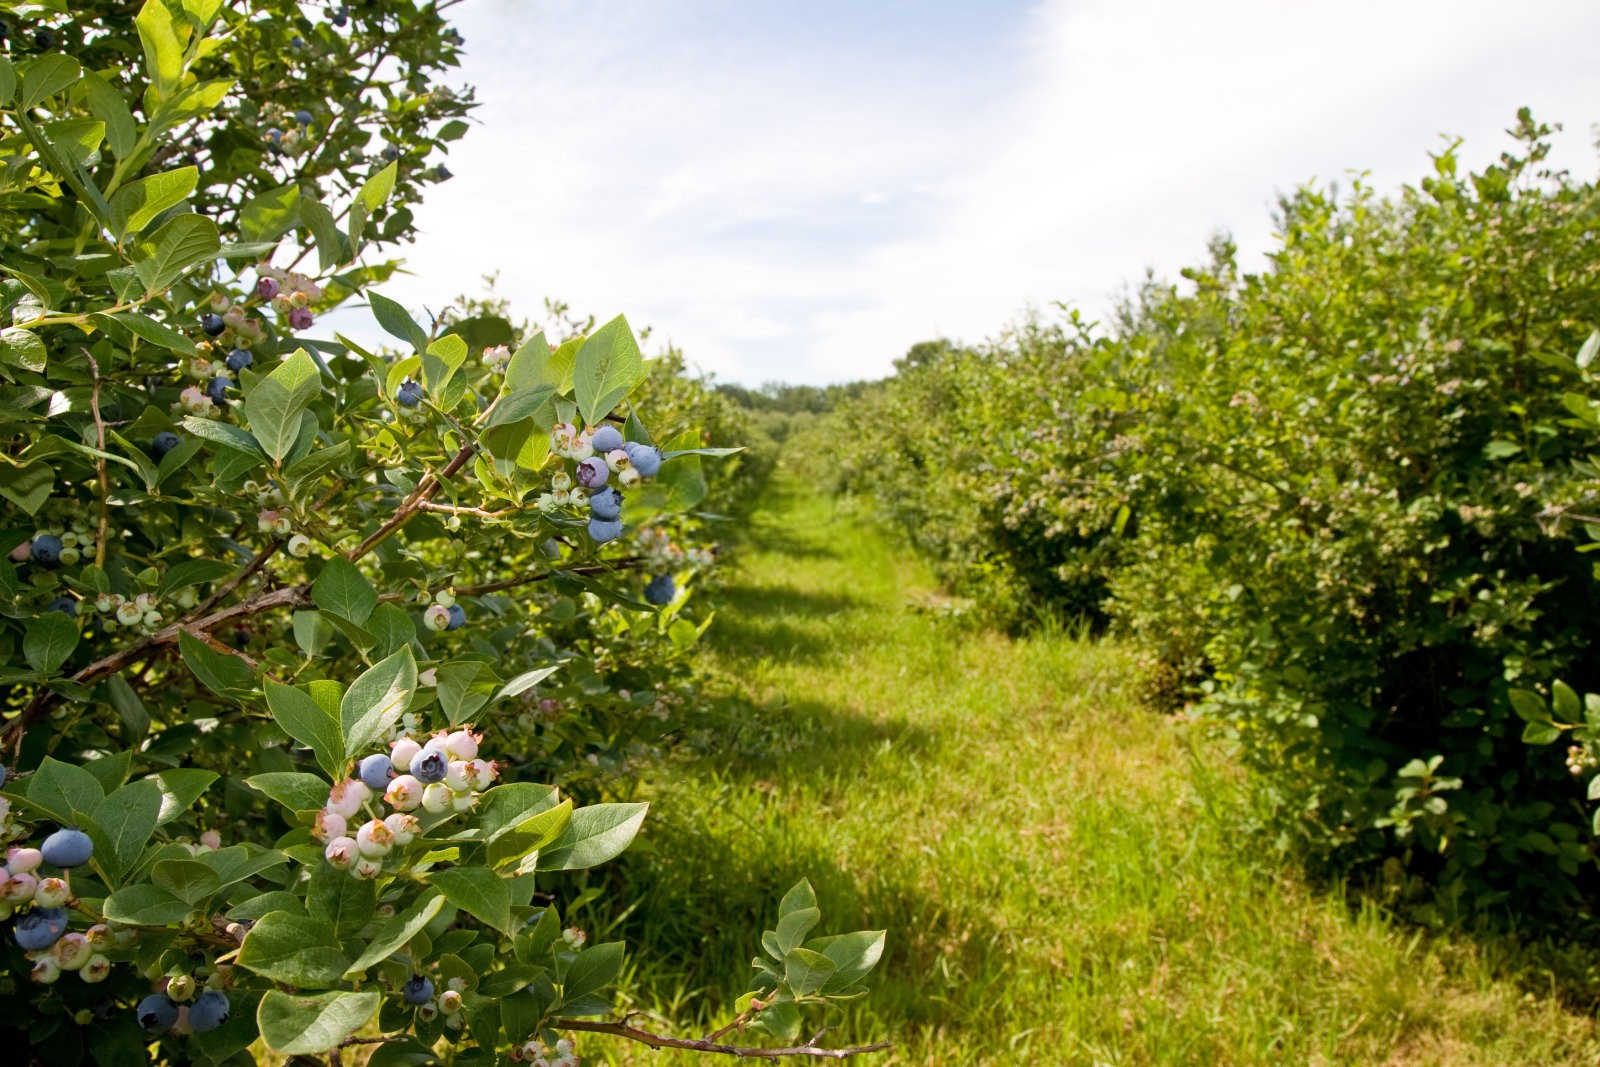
<point>23,860</point>
<point>51,892</point>
<point>463,744</point>
<point>19,888</point>
<point>211,839</point>
<point>341,852</point>
<point>266,288</point>
<point>483,773</point>
<point>300,318</point>
<point>401,751</point>
<point>403,826</point>
<point>404,793</point>
<point>617,460</point>
<point>99,935</point>
<point>329,825</point>
<point>436,618</point>
<point>437,798</point>
<point>347,796</point>
<point>374,839</point>
<point>71,951</point>
<point>457,776</point>
<point>96,969</point>
<point>21,553</point>
<point>45,968</point>
<point>366,868</point>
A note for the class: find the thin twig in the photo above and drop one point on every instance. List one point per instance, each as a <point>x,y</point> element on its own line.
<point>100,444</point>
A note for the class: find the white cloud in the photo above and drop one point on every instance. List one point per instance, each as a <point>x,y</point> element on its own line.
<point>807,214</point>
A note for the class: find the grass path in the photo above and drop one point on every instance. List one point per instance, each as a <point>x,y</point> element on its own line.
<point>1054,863</point>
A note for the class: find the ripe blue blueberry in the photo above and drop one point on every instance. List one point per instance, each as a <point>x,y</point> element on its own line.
<point>239,359</point>
<point>212,324</point>
<point>44,39</point>
<point>409,395</point>
<point>374,772</point>
<point>606,504</point>
<point>458,617</point>
<point>64,604</point>
<point>209,1011</point>
<point>429,766</point>
<point>303,117</point>
<point>46,550</point>
<point>297,42</point>
<point>40,928</point>
<point>442,173</point>
<point>593,472</point>
<point>603,530</point>
<point>661,590</point>
<point>646,459</point>
<point>164,442</point>
<point>391,153</point>
<point>67,848</point>
<point>418,989</point>
<point>275,135</point>
<point>340,16</point>
<point>607,439</point>
<point>156,1013</point>
<point>217,388</point>
<point>2,774</point>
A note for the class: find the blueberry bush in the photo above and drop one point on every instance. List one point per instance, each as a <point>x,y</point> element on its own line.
<point>1325,499</point>
<point>296,634</point>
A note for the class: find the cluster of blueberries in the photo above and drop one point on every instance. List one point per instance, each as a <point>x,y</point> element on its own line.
<point>605,502</point>
<point>41,931</point>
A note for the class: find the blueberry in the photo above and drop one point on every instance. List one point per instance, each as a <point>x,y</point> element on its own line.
<point>607,439</point>
<point>67,848</point>
<point>429,766</point>
<point>340,17</point>
<point>593,472</point>
<point>303,117</point>
<point>391,153</point>
<point>275,135</point>
<point>164,442</point>
<point>40,928</point>
<point>661,590</point>
<point>646,459</point>
<point>606,504</point>
<point>44,38</point>
<point>603,530</point>
<point>2,774</point>
<point>239,359</point>
<point>212,324</point>
<point>63,604</point>
<point>156,1013</point>
<point>209,1011</point>
<point>417,990</point>
<point>297,42</point>
<point>46,550</point>
<point>458,617</point>
<point>374,772</point>
<point>409,395</point>
<point>217,388</point>
<point>442,173</point>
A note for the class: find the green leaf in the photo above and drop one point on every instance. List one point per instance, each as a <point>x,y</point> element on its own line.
<point>511,849</point>
<point>181,242</point>
<point>296,949</point>
<point>595,834</point>
<point>372,194</point>
<point>69,793</point>
<point>1566,702</point>
<point>22,348</point>
<point>805,971</point>
<point>396,931</point>
<point>225,675</point>
<point>8,80</point>
<point>295,790</point>
<point>137,203</point>
<point>189,880</point>
<point>46,76</point>
<point>180,788</point>
<point>300,1026</point>
<point>509,805</point>
<point>271,214</point>
<point>376,700</point>
<point>331,247</point>
<point>1540,733</point>
<point>608,367</point>
<point>853,956</point>
<point>593,970</point>
<point>28,486</point>
<point>342,589</point>
<point>1529,705</point>
<point>526,681</point>
<point>478,892</point>
<point>107,105</point>
<point>147,329</point>
<point>526,367</point>
<point>800,897</point>
<point>464,688</point>
<point>224,434</point>
<point>163,53</point>
<point>126,818</point>
<point>145,905</point>
<point>1590,348</point>
<point>303,719</point>
<point>440,361</point>
<point>192,572</point>
<point>794,926</point>
<point>346,903</point>
<point>275,403</point>
<point>395,321</point>
<point>49,641</point>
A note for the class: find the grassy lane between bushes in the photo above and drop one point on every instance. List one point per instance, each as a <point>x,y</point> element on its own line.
<point>1055,865</point>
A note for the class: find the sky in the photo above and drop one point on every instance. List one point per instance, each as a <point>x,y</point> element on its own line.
<point>801,191</point>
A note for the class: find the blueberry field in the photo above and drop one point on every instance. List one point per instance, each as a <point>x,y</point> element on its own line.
<point>392,679</point>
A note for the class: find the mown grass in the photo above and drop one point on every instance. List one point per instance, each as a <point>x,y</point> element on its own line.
<point>1056,866</point>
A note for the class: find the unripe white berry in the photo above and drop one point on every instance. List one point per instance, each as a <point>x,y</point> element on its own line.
<point>401,752</point>
<point>19,888</point>
<point>436,798</point>
<point>366,867</point>
<point>374,839</point>
<point>462,744</point>
<point>405,793</point>
<point>341,852</point>
<point>23,860</point>
<point>71,951</point>
<point>96,969</point>
<point>463,801</point>
<point>449,1002</point>
<point>45,969</point>
<point>329,825</point>
<point>347,796</point>
<point>51,892</point>
<point>403,826</point>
